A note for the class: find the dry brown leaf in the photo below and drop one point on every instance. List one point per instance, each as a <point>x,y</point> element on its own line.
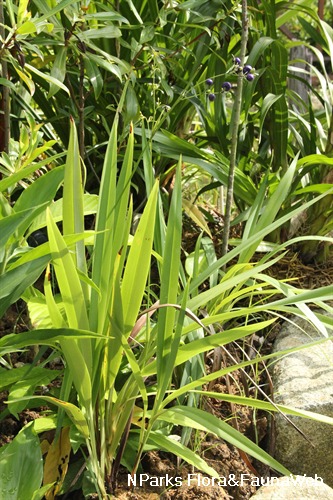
<point>56,463</point>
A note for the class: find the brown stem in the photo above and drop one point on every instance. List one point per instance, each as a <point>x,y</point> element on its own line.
<point>321,5</point>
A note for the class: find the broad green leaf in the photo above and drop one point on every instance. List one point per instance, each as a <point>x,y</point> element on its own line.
<point>14,283</point>
<point>32,378</point>
<point>315,159</point>
<point>78,354</point>
<point>102,268</point>
<point>73,412</point>
<point>328,32</point>
<point>58,71</point>
<point>26,28</point>
<point>21,466</point>
<point>43,250</point>
<point>94,75</point>
<point>132,109</point>
<point>37,152</point>
<point>15,224</point>
<point>22,373</point>
<point>106,32</point>
<point>90,203</point>
<point>8,83</point>
<point>195,261</point>
<point>40,494</point>
<point>40,191</point>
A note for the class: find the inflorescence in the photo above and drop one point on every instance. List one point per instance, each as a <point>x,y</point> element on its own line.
<point>247,71</point>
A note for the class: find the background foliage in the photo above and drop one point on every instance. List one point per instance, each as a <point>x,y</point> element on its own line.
<point>115,118</point>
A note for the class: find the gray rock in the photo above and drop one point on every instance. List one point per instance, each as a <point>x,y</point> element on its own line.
<point>285,488</point>
<point>304,380</point>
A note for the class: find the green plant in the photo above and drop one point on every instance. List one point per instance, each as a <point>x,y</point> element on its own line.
<point>110,345</point>
<point>131,322</point>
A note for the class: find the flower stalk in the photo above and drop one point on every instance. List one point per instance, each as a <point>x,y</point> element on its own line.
<point>234,132</point>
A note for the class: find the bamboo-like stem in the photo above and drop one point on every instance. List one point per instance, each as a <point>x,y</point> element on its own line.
<point>234,132</point>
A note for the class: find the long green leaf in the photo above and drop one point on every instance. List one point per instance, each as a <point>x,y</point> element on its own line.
<point>21,466</point>
<point>73,212</point>
<point>204,421</point>
<point>266,405</point>
<point>138,262</point>
<point>192,349</point>
<point>172,446</point>
<point>169,287</point>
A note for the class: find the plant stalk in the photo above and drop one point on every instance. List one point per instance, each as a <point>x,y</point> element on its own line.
<point>5,101</point>
<point>81,110</point>
<point>234,133</point>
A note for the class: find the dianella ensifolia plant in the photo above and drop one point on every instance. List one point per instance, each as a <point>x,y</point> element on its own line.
<point>120,347</point>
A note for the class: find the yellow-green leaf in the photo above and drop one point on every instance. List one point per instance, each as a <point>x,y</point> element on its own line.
<point>194,213</point>
<point>26,28</point>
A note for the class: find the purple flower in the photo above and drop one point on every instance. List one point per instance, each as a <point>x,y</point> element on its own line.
<point>247,69</point>
<point>237,61</point>
<point>250,77</point>
<point>211,97</point>
<point>226,86</point>
<point>209,82</point>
